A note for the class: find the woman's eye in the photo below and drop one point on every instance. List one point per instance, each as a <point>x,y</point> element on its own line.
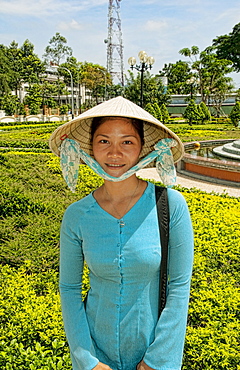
<point>127,142</point>
<point>103,141</point>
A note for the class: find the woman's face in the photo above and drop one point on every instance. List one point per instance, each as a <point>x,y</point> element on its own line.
<point>116,145</point>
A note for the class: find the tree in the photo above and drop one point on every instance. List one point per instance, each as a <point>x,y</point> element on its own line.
<point>5,72</point>
<point>228,47</point>
<point>154,110</point>
<point>191,112</point>
<point>48,92</point>
<point>96,79</point>
<point>205,112</point>
<point>238,95</point>
<point>10,104</point>
<point>177,74</point>
<point>57,50</point>
<point>115,90</point>
<point>200,116</point>
<point>23,65</point>
<point>158,113</point>
<point>32,66</point>
<point>210,71</point>
<point>235,114</point>
<point>34,98</point>
<point>222,89</point>
<point>21,110</point>
<point>14,58</point>
<point>191,53</point>
<point>64,109</point>
<point>153,89</point>
<point>69,70</point>
<point>149,108</point>
<point>74,67</point>
<point>165,114</point>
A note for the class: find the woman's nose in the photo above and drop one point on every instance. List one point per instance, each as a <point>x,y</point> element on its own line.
<point>114,152</point>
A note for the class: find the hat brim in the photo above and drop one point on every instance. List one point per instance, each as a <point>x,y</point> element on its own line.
<point>79,128</point>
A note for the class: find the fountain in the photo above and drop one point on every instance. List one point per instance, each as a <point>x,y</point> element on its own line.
<point>225,171</point>
<point>229,150</point>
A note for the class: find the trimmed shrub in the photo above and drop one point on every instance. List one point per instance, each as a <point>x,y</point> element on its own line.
<point>235,114</point>
<point>31,331</point>
<point>165,114</point>
<point>31,334</point>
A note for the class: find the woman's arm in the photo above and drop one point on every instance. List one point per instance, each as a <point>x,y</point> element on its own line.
<point>167,348</point>
<point>70,284</point>
<point>101,366</point>
<point>143,366</point>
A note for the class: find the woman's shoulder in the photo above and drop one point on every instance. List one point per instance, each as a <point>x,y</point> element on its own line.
<point>177,203</point>
<point>175,199</point>
<point>81,206</point>
<point>175,195</point>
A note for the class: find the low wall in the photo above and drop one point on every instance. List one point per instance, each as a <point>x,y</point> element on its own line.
<point>213,170</point>
<point>36,118</point>
<point>7,119</point>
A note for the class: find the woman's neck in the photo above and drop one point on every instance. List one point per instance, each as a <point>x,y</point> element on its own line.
<point>122,189</point>
<point>117,198</point>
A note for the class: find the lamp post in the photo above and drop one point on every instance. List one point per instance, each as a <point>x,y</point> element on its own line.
<point>78,94</point>
<point>146,63</point>
<point>105,82</point>
<point>56,66</point>
<point>71,89</point>
<point>193,80</point>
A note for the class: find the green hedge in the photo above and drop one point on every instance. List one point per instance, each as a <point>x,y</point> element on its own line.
<point>37,136</point>
<point>211,341</point>
<point>7,125</point>
<point>204,132</point>
<point>31,333</point>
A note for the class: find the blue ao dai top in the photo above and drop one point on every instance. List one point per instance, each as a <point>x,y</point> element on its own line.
<point>120,324</point>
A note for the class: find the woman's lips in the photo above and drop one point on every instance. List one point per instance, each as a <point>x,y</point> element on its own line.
<point>114,165</point>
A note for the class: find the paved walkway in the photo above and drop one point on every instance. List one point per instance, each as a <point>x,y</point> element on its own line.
<point>188,182</point>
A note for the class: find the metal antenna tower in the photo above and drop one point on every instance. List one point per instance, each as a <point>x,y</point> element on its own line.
<point>114,42</point>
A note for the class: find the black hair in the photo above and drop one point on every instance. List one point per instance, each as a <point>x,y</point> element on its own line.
<point>137,124</point>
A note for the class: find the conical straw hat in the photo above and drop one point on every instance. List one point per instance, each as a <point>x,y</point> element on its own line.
<point>79,128</point>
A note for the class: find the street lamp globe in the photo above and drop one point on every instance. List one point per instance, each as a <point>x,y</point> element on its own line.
<point>132,61</point>
<point>146,63</point>
<point>150,61</point>
<point>142,55</point>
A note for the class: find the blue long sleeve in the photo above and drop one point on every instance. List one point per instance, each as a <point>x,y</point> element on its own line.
<point>171,327</point>
<point>73,311</point>
<point>119,325</point>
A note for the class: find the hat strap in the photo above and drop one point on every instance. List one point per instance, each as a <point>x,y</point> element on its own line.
<point>71,154</point>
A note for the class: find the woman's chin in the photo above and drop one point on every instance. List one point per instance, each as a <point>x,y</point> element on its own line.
<point>115,171</point>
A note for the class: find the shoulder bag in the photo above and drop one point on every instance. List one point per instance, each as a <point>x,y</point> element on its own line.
<point>163,220</point>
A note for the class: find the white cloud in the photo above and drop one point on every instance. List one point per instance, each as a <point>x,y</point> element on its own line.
<point>28,7</point>
<point>161,28</point>
<point>46,7</point>
<point>230,15</point>
<point>152,25</point>
<point>73,25</point>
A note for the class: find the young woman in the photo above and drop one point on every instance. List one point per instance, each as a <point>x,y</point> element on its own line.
<point>115,230</point>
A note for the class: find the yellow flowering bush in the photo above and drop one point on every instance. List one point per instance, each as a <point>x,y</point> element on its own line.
<point>33,199</point>
<point>26,137</point>
<point>28,125</point>
<point>204,132</point>
<point>36,135</point>
<point>211,341</point>
<point>31,334</point>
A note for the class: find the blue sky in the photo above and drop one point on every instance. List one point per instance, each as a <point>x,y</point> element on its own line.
<point>161,28</point>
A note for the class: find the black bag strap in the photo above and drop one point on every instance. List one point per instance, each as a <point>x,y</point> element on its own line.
<point>163,220</point>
